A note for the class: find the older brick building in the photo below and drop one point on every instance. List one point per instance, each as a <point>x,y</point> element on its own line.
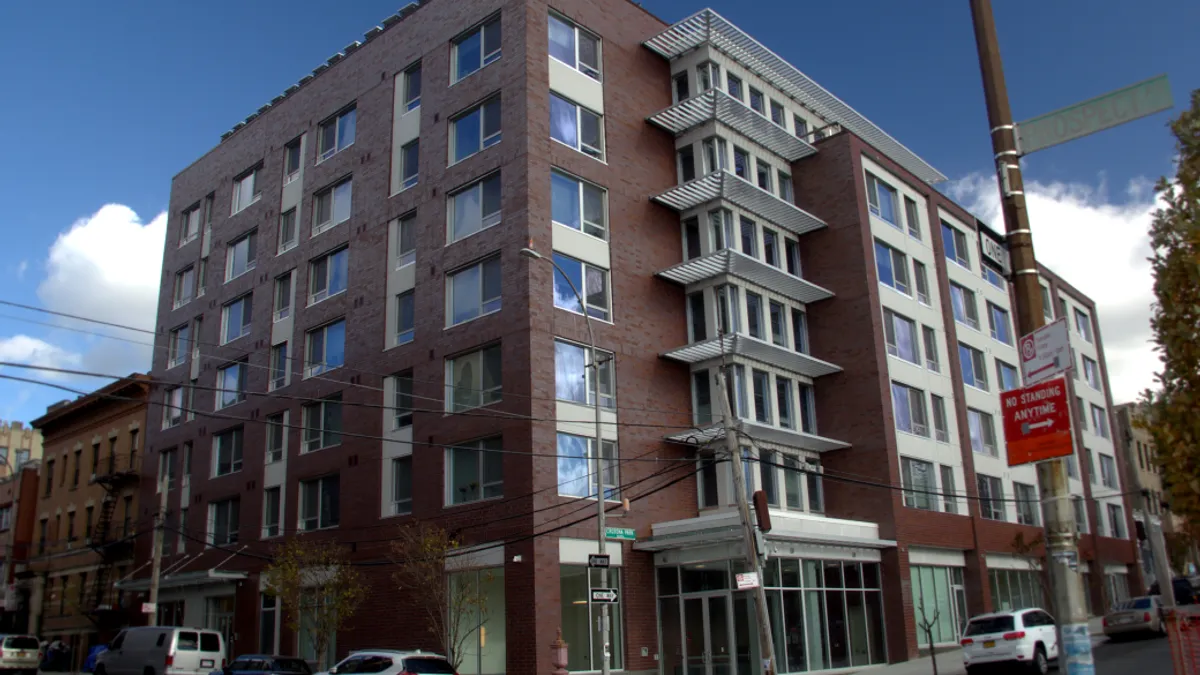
<point>352,340</point>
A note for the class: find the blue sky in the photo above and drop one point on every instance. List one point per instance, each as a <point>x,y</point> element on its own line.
<point>106,101</point>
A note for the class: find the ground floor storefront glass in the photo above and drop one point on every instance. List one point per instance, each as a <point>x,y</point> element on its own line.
<point>1017,589</point>
<point>824,614</point>
<point>581,617</point>
<point>939,599</point>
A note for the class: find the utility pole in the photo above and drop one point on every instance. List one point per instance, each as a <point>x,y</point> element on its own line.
<point>160,519</point>
<point>1061,544</point>
<point>1158,548</point>
<point>765,644</point>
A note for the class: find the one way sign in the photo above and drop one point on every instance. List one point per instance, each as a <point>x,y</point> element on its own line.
<point>608,595</point>
<point>1037,422</point>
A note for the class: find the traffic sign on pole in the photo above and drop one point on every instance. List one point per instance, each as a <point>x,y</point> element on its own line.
<point>620,533</point>
<point>1037,422</point>
<point>601,595</point>
<point>598,560</point>
<point>1095,114</point>
<point>1046,352</point>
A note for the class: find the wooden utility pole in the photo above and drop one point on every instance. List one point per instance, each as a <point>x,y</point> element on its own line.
<point>160,519</point>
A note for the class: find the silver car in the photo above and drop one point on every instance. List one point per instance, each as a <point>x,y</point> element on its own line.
<point>1136,615</point>
<point>19,654</point>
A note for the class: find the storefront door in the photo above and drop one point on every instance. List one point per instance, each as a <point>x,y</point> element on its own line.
<point>708,635</point>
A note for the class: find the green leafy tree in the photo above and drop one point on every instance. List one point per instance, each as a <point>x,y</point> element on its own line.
<point>1172,414</point>
<point>318,587</point>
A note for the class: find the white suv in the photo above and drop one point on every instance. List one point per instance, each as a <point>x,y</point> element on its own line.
<point>392,662</point>
<point>1024,637</point>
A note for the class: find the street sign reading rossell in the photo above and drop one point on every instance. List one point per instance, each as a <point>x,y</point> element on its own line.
<point>1037,422</point>
<point>1046,352</point>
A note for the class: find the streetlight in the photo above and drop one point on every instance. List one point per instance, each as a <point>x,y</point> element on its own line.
<point>528,252</point>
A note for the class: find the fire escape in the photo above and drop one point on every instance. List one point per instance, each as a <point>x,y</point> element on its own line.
<point>112,541</point>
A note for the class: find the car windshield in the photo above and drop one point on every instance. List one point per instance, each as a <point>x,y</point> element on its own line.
<point>21,642</point>
<point>990,624</point>
<point>428,666</point>
<point>1136,603</point>
<point>292,666</point>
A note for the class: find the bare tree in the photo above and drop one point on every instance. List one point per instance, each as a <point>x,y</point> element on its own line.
<point>1033,553</point>
<point>318,587</point>
<point>431,574</point>
<point>926,625</point>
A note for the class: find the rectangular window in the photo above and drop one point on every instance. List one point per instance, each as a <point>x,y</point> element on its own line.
<point>1099,422</point>
<point>185,286</point>
<point>402,403</point>
<point>402,485</point>
<point>763,174</point>
<point>892,267</point>
<point>983,432</point>
<point>474,471</point>
<point>179,343</point>
<point>410,162</point>
<point>1006,376</point>
<point>768,472</point>
<point>778,116</point>
<point>323,423</point>
<point>965,310</point>
<point>920,484</point>
<point>949,502</point>
<point>473,380</point>
<point>1091,373</point>
<point>900,334</point>
<point>573,373</point>
<point>405,318</point>
<point>749,232</point>
<point>912,216</point>
<point>406,240</point>
<point>697,317</point>
<point>687,163</point>
<point>291,161</point>
<point>1062,308</point>
<point>1047,305</point>
<point>1028,504</point>
<point>757,102</point>
<point>754,315</point>
<point>733,85</point>
<point>246,190</point>
<point>691,238</point>
<point>1108,471</point>
<point>955,244</point>
<point>473,291</point>
<point>1080,514</point>
<point>941,429</point>
<point>240,256</point>
<point>412,87</point>
<point>792,254</point>
<point>1081,412</point>
<point>761,387</point>
<point>702,398</point>
<point>993,277</point>
<point>189,226</point>
<point>991,497</point>
<point>326,348</point>
<point>728,312</point>
<point>271,503</point>
<point>882,200</point>
<point>783,402</point>
<point>785,187</point>
<point>279,365</point>
<point>332,205</point>
<point>721,222</point>
<point>475,207</point>
<point>231,383</point>
<point>777,313</point>
<point>1083,324</point>
<point>682,88</point>
<point>320,503</point>
<point>932,359</point>
<point>1116,516</point>
<point>921,280</point>
<point>571,276</point>
<point>999,324</point>
<point>715,154</point>
<point>800,127</point>
<point>741,163</point>
<point>276,435</point>
<point>475,49</point>
<point>578,204</point>
<point>223,522</point>
<point>1093,476</point>
<point>475,129</point>
<point>709,75</point>
<point>574,46</point>
<point>576,467</point>
<point>974,367</point>
<point>327,275</point>
<point>227,451</point>
<point>576,126</point>
<point>816,489</point>
<point>172,409</point>
<point>908,405</point>
<point>283,297</point>
<point>336,133</point>
<point>201,276</point>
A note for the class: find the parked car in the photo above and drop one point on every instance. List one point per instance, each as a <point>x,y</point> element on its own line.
<point>163,650</point>
<point>1185,593</point>
<point>265,664</point>
<point>392,662</point>
<point>1023,637</point>
<point>1137,615</point>
<point>19,654</point>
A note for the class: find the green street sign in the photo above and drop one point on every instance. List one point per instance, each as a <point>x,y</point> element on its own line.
<point>622,533</point>
<point>1096,114</point>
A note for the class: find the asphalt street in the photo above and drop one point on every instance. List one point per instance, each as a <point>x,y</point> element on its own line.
<point>1146,656</point>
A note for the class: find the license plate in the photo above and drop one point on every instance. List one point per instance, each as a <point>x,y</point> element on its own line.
<point>988,644</point>
<point>206,663</point>
<point>20,655</point>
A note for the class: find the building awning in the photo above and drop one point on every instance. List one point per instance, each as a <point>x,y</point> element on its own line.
<point>716,105</point>
<point>723,185</point>
<point>728,262</point>
<point>183,580</point>
<point>760,432</point>
<point>724,527</point>
<point>751,348</point>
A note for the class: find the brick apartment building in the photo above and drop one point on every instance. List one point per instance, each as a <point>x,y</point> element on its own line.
<point>18,499</point>
<point>86,515</point>
<point>352,340</point>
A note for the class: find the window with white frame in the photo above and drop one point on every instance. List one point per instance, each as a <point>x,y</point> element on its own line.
<point>405,318</point>
<point>272,498</point>
<point>974,367</point>
<point>912,215</point>
<point>799,126</point>
<point>577,127</point>
<point>475,207</point>
<point>708,75</point>
<point>201,275</point>
<point>778,116</point>
<point>327,275</point>
<point>474,471</point>
<point>227,451</point>
<point>754,315</point>
<point>1081,522</point>
<point>288,232</point>
<point>949,500</point>
<point>223,521</point>
<point>966,311</point>
<point>882,200</point>
<point>240,255</point>
<point>326,348</point>
<point>982,429</point>
<point>291,161</point>
<point>231,384</point>
<point>800,330</point>
<point>764,174</point>
<point>741,163</point>
<point>892,267</point>
<point>733,85</point>
<point>785,187</point>
<point>954,241</point>
<point>410,162</point>
<point>1028,504</point>
<point>178,344</point>
<point>758,102</point>
<point>475,48</point>
<point>473,379</point>
<point>323,423</point>
<point>1006,376</point>
<point>185,286</point>
<point>1116,517</point>
<point>475,129</point>
<point>236,318</point>
<point>776,317</point>
<point>279,365</point>
<point>716,154</point>
<point>760,387</point>
<point>1100,421</point>
<point>991,496</point>
<point>283,296</point>
<point>993,277</point>
<point>784,402</point>
<point>332,205</point>
<point>412,87</point>
<point>246,190</point>
<point>576,467</point>
<point>402,485</point>
<point>573,373</point>
<point>900,333</point>
<point>941,430</point>
<point>591,282</point>
<point>320,503</point>
<point>908,405</point>
<point>1047,305</point>
<point>336,133</point>
<point>1083,325</point>
<point>473,291</point>
<point>578,204</point>
<point>574,46</point>
<point>406,240</point>
<point>1108,471</point>
<point>933,360</point>
<point>189,225</point>
<point>1091,373</point>
<point>276,437</point>
<point>999,324</point>
<point>920,484</point>
<point>402,401</point>
<point>173,407</point>
<point>921,281</point>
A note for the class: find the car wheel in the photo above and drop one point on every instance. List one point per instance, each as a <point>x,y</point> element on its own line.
<point>1039,664</point>
<point>100,670</point>
<point>148,671</point>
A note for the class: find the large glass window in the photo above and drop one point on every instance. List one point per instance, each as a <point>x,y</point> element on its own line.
<point>571,276</point>
<point>908,405</point>
<point>983,432</point>
<point>901,336</point>
<point>965,309</point>
<point>323,423</point>
<point>573,374</point>
<point>336,133</point>
<point>576,467</point>
<point>974,367</point>
<point>223,520</point>
<point>473,379</point>
<point>1028,504</point>
<point>241,256</point>
<point>991,496</point>
<point>474,471</point>
<point>1017,589</point>
<point>483,650</point>
<point>231,387</point>
<point>271,502</point>
<point>332,205</point>
<point>402,480</point>
<point>1006,376</point>
<point>578,204</point>
<point>476,48</point>
<point>892,267</point>
<point>327,275</point>
<point>475,129</point>
<point>236,318</point>
<point>412,87</point>
<point>475,207</point>
<point>320,503</point>
<point>1083,325</point>
<point>580,617</point>
<point>939,597</point>
<point>180,338</point>
<point>326,348</point>
<point>576,126</point>
<point>882,200</point>
<point>474,291</point>
<point>227,451</point>
<point>954,241</point>
<point>574,46</point>
<point>920,484</point>
<point>246,190</point>
<point>998,322</point>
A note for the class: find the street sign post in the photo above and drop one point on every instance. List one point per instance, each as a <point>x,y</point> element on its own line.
<point>747,580</point>
<point>598,560</point>
<point>1096,114</point>
<point>1046,352</point>
<point>604,595</point>
<point>620,533</point>
<point>1037,422</point>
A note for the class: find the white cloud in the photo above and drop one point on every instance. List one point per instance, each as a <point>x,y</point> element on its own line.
<point>1101,247</point>
<point>31,350</point>
<point>22,267</point>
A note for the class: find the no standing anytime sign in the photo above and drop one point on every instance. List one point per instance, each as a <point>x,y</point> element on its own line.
<point>1037,422</point>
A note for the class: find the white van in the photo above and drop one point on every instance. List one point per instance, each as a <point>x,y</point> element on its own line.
<point>163,650</point>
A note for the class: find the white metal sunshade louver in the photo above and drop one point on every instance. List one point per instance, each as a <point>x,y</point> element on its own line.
<point>760,432</point>
<point>715,104</point>
<point>748,347</point>
<point>725,185</point>
<point>708,26</point>
<point>738,264</point>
